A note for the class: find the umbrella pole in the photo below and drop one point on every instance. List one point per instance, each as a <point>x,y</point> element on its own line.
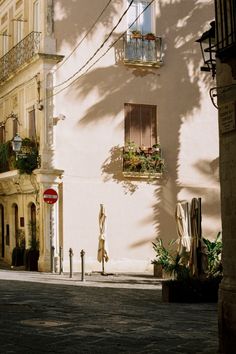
<point>103,268</point>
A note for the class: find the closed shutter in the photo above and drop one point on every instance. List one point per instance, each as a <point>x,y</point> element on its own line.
<point>140,124</point>
<point>14,127</point>
<point>1,135</point>
<point>32,125</point>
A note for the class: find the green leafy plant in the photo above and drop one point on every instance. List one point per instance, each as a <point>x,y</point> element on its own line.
<point>142,159</point>
<point>32,253</point>
<point>171,262</point>
<point>214,251</point>
<point>6,156</point>
<point>163,255</point>
<point>28,159</point>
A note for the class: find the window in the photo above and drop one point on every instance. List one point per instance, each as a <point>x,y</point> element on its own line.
<point>19,29</point>
<point>144,22</point>
<point>4,42</point>
<point>36,16</point>
<point>142,155</point>
<point>2,137</point>
<point>14,127</point>
<point>32,124</point>
<point>140,124</point>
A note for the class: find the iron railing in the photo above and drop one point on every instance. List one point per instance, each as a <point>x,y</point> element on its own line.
<point>225,24</point>
<point>140,50</point>
<point>20,54</point>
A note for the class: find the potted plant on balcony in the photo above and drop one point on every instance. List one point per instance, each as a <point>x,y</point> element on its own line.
<point>136,34</point>
<point>150,36</point>
<point>29,159</point>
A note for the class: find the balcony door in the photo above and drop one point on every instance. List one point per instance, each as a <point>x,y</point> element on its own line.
<point>139,20</point>
<point>2,238</point>
<point>18,29</point>
<point>4,42</point>
<point>36,26</point>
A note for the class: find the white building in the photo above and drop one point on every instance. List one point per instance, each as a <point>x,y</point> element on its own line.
<point>113,86</point>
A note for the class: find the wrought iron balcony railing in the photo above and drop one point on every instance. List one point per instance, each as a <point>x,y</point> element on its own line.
<point>20,54</point>
<point>142,50</point>
<point>225,26</point>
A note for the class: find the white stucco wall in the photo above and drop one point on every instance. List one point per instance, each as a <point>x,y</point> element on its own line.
<point>137,211</point>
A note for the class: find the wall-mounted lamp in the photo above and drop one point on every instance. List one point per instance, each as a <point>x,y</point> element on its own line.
<point>208,49</point>
<point>16,144</point>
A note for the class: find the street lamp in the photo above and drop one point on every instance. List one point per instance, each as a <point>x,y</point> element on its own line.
<point>207,44</point>
<point>16,144</point>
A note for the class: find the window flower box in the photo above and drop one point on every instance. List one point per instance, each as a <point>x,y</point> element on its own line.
<point>150,37</point>
<point>142,161</point>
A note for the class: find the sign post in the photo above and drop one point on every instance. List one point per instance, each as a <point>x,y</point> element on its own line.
<point>50,197</point>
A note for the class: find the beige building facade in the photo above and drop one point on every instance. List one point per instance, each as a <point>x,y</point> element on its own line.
<point>225,16</point>
<point>115,92</point>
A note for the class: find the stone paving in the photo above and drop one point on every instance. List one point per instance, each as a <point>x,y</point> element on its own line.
<point>115,314</point>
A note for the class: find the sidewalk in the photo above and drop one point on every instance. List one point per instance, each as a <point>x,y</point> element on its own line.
<point>114,314</point>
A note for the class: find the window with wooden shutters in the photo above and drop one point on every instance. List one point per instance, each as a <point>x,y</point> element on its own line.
<point>14,127</point>
<point>140,124</point>
<point>142,155</point>
<point>32,125</point>
<point>2,138</point>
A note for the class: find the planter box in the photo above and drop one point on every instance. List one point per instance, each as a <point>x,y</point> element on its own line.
<point>157,270</point>
<point>193,290</point>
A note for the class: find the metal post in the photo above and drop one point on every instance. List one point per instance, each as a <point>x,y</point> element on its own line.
<point>60,260</point>
<point>82,254</point>
<point>71,263</point>
<point>52,259</point>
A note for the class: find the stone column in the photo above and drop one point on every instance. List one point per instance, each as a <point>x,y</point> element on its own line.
<point>227,132</point>
<point>49,218</point>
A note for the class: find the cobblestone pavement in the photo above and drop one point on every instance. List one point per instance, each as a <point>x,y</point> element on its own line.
<point>117,314</point>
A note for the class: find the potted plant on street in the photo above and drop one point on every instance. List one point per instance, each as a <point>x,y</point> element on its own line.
<point>32,253</point>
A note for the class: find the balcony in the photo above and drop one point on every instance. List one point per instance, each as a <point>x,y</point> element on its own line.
<point>142,50</point>
<point>27,160</point>
<point>225,29</point>
<point>19,55</point>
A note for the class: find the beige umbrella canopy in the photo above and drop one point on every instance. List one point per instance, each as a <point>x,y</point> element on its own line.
<point>102,244</point>
<point>182,228</point>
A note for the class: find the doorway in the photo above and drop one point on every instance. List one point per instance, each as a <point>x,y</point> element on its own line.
<point>2,237</point>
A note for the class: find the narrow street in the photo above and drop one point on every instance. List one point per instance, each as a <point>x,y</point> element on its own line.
<point>46,313</point>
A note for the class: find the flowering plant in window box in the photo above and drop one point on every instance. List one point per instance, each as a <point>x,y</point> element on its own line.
<point>142,159</point>
<point>136,34</point>
<point>150,37</point>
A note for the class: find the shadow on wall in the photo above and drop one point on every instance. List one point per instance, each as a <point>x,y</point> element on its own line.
<point>73,18</point>
<point>175,86</point>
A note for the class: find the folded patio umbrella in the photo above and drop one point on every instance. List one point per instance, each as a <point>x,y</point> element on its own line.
<point>182,228</point>
<point>102,243</point>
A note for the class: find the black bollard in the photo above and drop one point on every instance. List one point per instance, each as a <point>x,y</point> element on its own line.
<point>71,263</point>
<point>52,259</point>
<point>60,259</point>
<point>82,254</point>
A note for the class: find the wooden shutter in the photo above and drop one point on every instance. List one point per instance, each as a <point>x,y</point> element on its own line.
<point>32,125</point>
<point>14,127</point>
<point>1,135</point>
<point>140,124</point>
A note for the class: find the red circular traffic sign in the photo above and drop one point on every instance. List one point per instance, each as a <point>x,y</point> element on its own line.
<point>50,196</point>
